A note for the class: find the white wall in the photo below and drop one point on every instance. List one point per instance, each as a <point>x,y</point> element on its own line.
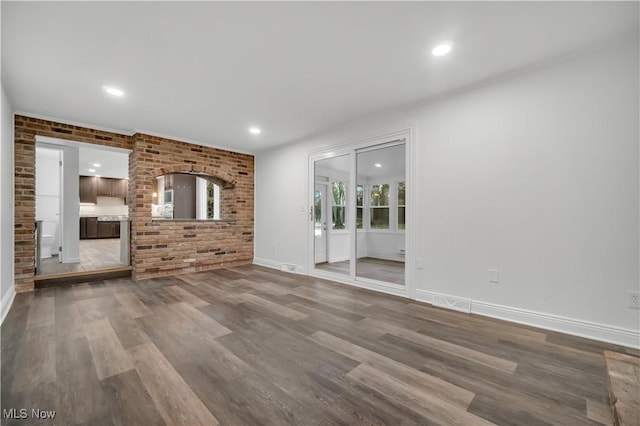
<point>48,193</point>
<point>105,206</point>
<point>70,205</point>
<point>536,176</point>
<point>339,246</point>
<point>6,212</point>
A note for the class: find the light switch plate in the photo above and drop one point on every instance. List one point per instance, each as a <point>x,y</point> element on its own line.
<point>494,276</point>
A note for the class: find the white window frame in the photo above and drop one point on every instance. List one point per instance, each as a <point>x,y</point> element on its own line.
<point>398,205</point>
<point>388,206</point>
<point>202,200</point>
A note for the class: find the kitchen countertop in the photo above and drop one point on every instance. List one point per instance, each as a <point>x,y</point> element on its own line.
<point>108,218</point>
<point>112,218</point>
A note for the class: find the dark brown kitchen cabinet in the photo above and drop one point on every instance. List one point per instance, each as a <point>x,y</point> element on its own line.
<point>105,229</point>
<point>119,188</point>
<point>105,187</point>
<point>83,228</point>
<point>93,187</point>
<point>88,189</point>
<point>92,227</point>
<point>108,229</point>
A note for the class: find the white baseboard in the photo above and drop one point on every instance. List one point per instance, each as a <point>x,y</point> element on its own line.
<point>285,267</point>
<point>267,263</point>
<point>6,303</point>
<point>575,327</point>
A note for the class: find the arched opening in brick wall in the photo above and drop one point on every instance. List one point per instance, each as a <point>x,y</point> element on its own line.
<point>219,177</point>
<point>192,193</point>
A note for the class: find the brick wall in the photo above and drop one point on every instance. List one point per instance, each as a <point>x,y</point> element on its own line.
<point>26,129</point>
<point>157,248</point>
<point>172,247</point>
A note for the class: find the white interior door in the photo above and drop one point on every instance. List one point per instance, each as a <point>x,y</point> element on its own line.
<point>320,223</point>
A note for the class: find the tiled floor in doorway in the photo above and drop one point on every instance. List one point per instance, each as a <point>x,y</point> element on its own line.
<point>94,255</point>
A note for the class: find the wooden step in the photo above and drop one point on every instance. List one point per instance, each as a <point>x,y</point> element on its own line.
<point>55,280</point>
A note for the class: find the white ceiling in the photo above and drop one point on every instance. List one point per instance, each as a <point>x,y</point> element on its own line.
<point>112,164</point>
<point>391,160</point>
<point>206,71</point>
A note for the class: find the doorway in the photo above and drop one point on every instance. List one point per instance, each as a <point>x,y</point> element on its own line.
<point>360,197</point>
<point>331,231</point>
<point>49,224</point>
<point>380,212</point>
<point>88,230</point>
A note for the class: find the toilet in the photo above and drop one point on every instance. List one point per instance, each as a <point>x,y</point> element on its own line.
<point>49,228</point>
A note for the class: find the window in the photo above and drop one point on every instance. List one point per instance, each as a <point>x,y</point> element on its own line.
<point>339,204</point>
<point>192,197</point>
<point>213,201</point>
<point>379,206</point>
<point>401,198</point>
<point>359,206</point>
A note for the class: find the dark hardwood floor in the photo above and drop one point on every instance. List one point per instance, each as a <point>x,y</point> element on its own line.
<point>251,345</point>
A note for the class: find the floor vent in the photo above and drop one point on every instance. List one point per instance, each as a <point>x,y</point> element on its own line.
<point>288,267</point>
<point>454,303</point>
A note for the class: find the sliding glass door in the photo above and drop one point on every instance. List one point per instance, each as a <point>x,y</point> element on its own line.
<point>358,214</point>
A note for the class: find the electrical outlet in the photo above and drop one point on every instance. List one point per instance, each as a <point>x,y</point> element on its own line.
<point>494,276</point>
<point>634,299</point>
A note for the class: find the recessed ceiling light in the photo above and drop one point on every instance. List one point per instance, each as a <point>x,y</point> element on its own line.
<point>92,170</point>
<point>113,91</point>
<point>96,164</point>
<point>442,49</point>
<point>254,130</point>
<point>378,165</point>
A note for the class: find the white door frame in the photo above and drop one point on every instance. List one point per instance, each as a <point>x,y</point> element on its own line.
<point>408,134</point>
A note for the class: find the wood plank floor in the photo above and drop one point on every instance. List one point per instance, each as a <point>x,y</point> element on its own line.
<point>250,345</point>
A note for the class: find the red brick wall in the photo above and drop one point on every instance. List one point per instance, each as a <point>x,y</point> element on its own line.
<point>173,247</point>
<point>26,129</point>
<point>157,248</point>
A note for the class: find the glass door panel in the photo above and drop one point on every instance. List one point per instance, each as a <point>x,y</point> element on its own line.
<point>332,240</point>
<point>380,204</point>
